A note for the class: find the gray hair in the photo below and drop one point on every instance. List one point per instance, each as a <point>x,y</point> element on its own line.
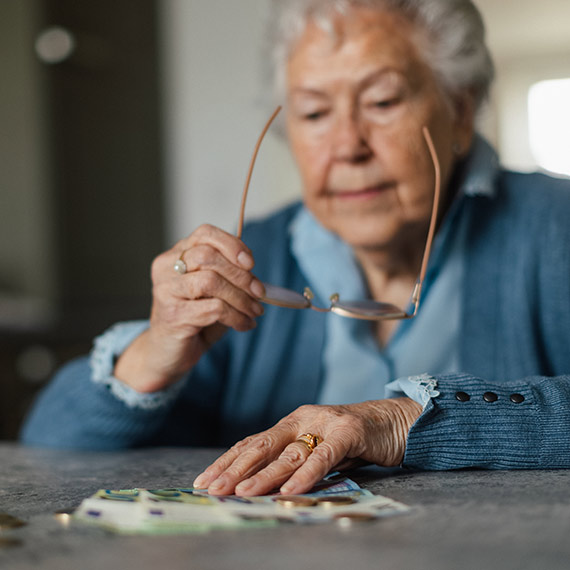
<point>455,48</point>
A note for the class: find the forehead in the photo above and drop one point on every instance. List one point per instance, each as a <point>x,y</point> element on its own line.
<point>358,43</point>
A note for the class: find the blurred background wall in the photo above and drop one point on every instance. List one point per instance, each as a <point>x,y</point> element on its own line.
<point>127,123</point>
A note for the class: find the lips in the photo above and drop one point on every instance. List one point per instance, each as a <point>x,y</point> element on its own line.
<point>359,193</point>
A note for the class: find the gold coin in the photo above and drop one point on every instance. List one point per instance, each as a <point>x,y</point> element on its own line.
<point>64,516</point>
<point>335,500</point>
<point>292,501</point>
<point>8,541</point>
<point>348,519</point>
<point>8,521</point>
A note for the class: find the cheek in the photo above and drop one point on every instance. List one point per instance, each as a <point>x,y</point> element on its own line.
<point>312,160</point>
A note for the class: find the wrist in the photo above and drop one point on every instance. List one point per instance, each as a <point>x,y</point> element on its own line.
<point>144,368</point>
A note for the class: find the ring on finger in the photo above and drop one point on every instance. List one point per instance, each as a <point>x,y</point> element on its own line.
<point>180,265</point>
<point>310,440</point>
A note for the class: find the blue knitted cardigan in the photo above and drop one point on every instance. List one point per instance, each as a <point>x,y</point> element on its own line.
<point>514,345</point>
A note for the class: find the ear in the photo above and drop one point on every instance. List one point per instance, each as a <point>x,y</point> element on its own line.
<point>464,126</point>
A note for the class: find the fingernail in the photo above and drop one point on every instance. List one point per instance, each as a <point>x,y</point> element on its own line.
<point>217,484</point>
<point>245,260</point>
<point>288,489</point>
<point>245,486</point>
<point>257,288</point>
<point>257,309</point>
<point>201,482</point>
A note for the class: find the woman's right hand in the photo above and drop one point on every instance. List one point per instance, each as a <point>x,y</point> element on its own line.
<point>191,311</point>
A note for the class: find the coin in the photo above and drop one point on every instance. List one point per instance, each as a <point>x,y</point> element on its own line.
<point>348,519</point>
<point>9,521</point>
<point>335,500</point>
<point>64,516</point>
<point>292,501</point>
<point>8,541</point>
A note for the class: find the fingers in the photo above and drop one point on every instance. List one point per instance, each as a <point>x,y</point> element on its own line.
<point>217,287</point>
<point>205,257</point>
<point>276,458</point>
<point>320,462</point>
<point>370,431</point>
<point>241,461</point>
<point>209,285</point>
<point>229,246</point>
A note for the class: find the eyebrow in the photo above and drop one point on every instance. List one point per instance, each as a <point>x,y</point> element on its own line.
<point>363,83</point>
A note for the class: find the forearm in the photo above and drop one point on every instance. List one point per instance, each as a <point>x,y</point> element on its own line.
<point>144,365</point>
<point>527,426</point>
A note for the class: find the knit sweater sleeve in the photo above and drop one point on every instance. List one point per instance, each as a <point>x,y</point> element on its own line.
<point>471,422</point>
<point>76,412</point>
<point>87,407</point>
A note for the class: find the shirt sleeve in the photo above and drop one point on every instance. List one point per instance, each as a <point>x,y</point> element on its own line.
<point>470,422</point>
<point>107,348</point>
<point>419,388</point>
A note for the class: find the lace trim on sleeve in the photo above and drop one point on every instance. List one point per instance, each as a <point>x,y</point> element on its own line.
<point>419,388</point>
<point>110,345</point>
<point>425,388</point>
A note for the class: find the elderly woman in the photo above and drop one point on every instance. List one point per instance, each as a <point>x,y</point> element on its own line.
<point>475,378</point>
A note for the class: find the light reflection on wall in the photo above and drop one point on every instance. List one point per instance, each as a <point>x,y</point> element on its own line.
<point>549,124</point>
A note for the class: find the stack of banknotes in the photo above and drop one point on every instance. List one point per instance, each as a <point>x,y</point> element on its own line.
<point>171,511</point>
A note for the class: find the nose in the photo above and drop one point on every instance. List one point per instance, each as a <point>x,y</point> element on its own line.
<point>349,139</point>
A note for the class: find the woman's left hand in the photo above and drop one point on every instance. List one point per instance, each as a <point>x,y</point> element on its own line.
<point>374,431</point>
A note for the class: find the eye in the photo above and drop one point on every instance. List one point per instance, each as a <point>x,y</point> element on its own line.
<point>314,116</point>
<point>385,103</point>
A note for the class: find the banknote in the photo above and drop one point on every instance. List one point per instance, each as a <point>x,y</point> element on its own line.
<point>189,510</point>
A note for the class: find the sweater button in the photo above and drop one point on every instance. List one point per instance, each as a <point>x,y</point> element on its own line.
<point>462,396</point>
<point>490,397</point>
<point>517,398</point>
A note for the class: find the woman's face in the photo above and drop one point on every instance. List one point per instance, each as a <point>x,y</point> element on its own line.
<point>356,105</point>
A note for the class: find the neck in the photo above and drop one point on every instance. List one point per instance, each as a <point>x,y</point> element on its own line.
<point>386,269</point>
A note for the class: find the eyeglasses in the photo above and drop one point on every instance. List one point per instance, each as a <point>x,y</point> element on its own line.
<point>366,309</point>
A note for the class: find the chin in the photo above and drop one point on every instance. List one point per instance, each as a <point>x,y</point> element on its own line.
<point>361,238</point>
<point>372,231</point>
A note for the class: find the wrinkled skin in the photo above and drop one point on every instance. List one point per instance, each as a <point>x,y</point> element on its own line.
<point>374,432</point>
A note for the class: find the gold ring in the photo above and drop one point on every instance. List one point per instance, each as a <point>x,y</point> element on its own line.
<point>310,440</point>
<point>180,266</point>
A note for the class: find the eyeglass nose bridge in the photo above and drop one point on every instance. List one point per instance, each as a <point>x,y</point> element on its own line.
<point>309,295</point>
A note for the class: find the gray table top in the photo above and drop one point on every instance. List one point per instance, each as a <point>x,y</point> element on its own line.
<point>462,519</point>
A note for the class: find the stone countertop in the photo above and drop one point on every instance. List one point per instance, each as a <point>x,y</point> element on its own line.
<point>460,519</point>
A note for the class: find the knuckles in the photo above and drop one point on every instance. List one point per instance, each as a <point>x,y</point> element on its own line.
<point>206,282</point>
<point>293,455</point>
<point>204,231</point>
<point>201,256</point>
<point>324,453</point>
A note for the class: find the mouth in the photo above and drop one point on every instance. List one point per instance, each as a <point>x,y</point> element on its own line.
<point>360,194</point>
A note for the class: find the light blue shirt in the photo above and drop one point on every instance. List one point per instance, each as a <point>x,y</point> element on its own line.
<point>356,369</point>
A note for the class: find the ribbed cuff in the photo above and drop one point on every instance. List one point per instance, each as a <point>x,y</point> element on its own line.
<point>473,423</point>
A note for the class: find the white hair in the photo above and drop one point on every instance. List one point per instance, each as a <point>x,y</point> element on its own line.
<point>455,48</point>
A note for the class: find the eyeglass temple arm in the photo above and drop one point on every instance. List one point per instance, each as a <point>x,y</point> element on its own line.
<point>416,294</point>
<point>250,171</point>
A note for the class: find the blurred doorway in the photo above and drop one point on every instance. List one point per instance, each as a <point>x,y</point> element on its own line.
<point>81,181</point>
